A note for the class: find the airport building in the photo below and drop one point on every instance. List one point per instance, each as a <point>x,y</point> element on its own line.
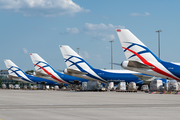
<point>5,80</point>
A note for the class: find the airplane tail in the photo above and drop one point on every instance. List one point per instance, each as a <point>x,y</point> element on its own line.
<point>73,60</point>
<point>43,69</point>
<point>133,48</point>
<point>40,65</point>
<point>15,72</point>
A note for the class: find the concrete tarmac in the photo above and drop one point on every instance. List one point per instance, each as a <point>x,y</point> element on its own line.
<point>70,105</point>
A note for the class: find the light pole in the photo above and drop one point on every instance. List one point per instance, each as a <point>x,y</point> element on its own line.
<point>159,41</point>
<point>111,54</point>
<point>78,51</point>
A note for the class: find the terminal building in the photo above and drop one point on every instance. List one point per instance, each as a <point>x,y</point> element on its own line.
<point>5,80</point>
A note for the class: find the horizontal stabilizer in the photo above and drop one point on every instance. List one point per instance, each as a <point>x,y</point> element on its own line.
<point>72,71</point>
<point>40,74</point>
<point>116,64</point>
<point>137,64</point>
<point>11,77</point>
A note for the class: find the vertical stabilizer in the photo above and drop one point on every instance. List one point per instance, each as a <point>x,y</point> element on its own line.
<point>15,71</point>
<point>133,48</point>
<point>73,60</point>
<point>77,63</point>
<point>39,63</point>
<point>43,69</point>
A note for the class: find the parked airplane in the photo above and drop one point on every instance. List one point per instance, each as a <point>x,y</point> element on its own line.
<point>15,73</point>
<point>77,66</point>
<point>44,70</point>
<point>141,59</point>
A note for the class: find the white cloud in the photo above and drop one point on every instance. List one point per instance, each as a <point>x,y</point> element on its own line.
<point>97,57</point>
<point>54,28</point>
<point>107,47</point>
<point>42,7</point>
<point>72,30</point>
<point>103,36</point>
<point>96,31</point>
<point>90,26</point>
<point>101,31</point>
<point>86,55</point>
<point>138,14</point>
<point>105,17</point>
<point>25,50</point>
<point>101,26</point>
<point>146,13</point>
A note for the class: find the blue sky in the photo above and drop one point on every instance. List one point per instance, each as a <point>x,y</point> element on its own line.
<point>40,26</point>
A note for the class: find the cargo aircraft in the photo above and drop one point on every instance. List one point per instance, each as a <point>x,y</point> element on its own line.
<point>15,73</point>
<point>141,59</point>
<point>44,70</point>
<point>77,66</point>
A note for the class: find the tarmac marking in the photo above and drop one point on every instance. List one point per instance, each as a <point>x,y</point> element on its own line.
<point>106,106</point>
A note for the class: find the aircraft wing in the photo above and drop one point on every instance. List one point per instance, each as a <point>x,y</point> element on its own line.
<point>145,78</point>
